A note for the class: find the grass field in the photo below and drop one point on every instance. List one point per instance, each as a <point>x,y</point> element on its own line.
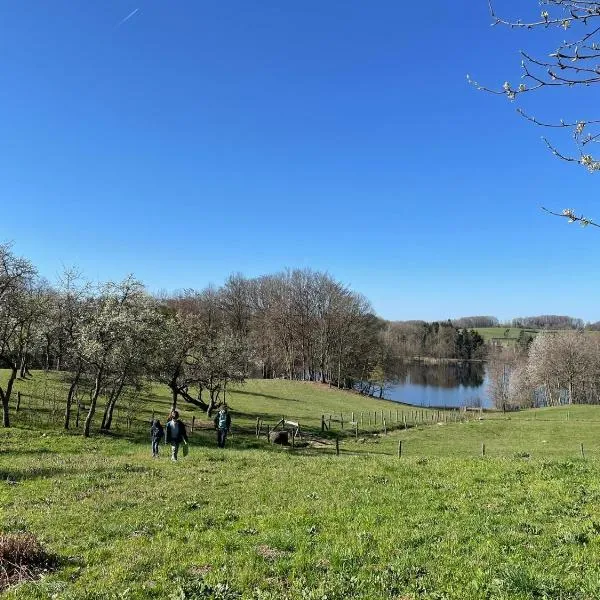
<point>260,521</point>
<point>510,334</point>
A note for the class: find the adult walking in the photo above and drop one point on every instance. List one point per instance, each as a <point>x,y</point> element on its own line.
<point>222,425</point>
<point>176,434</point>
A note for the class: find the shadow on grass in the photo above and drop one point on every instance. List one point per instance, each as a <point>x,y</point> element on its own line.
<point>259,395</point>
<point>12,476</point>
<point>27,451</point>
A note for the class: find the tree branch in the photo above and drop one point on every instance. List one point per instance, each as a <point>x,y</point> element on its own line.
<point>569,214</point>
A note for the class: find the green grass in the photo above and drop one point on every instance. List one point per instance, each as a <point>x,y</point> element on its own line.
<point>258,521</point>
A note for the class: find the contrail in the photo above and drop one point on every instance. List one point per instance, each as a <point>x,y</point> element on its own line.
<point>126,18</point>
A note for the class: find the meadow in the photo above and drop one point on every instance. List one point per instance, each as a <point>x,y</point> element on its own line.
<point>507,334</point>
<point>442,521</point>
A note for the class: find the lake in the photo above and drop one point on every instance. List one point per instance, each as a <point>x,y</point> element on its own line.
<point>447,384</point>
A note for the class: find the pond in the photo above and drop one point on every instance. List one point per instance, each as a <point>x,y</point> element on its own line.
<point>441,385</point>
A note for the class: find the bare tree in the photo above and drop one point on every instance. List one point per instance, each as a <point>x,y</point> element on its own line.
<point>18,310</point>
<point>559,364</point>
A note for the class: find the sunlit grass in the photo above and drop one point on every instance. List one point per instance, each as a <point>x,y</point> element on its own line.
<point>260,521</point>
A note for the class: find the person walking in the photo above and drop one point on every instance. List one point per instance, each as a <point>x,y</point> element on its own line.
<point>222,425</point>
<point>156,433</point>
<point>176,434</point>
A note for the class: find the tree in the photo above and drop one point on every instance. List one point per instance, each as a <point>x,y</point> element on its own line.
<point>559,364</point>
<point>18,311</point>
<point>572,63</point>
<point>107,339</point>
<point>180,328</point>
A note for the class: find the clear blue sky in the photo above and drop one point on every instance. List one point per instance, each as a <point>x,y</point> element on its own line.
<point>197,139</point>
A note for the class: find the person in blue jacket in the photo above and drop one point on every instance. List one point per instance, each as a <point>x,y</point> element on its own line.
<point>222,423</point>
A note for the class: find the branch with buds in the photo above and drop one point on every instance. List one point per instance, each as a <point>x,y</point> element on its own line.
<point>569,214</point>
<point>573,63</point>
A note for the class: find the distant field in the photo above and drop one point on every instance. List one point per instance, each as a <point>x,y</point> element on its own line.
<point>504,333</point>
<point>262,522</point>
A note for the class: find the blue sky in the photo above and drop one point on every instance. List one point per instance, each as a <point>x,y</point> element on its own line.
<point>197,139</point>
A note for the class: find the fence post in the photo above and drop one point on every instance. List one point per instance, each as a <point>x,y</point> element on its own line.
<point>353,416</point>
<point>404,420</point>
<point>384,428</point>
<point>342,419</point>
<point>268,434</point>
<point>399,448</point>
<point>482,449</point>
<point>293,439</point>
<point>361,419</point>
<point>582,452</point>
<point>337,446</point>
<point>356,429</point>
<point>322,423</point>
<point>369,418</point>
<point>396,415</point>
<point>193,422</point>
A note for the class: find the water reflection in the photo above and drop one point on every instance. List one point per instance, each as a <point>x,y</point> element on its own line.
<point>448,384</point>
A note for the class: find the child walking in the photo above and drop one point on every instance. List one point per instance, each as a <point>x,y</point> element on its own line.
<point>156,433</point>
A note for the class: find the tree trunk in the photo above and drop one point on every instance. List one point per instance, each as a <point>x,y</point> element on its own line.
<point>5,396</point>
<point>177,391</point>
<point>23,368</point>
<point>47,354</point>
<point>174,393</point>
<point>88,420</point>
<point>108,413</point>
<point>214,394</point>
<point>110,405</point>
<point>71,395</point>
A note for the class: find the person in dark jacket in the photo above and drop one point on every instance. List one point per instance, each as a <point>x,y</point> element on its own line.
<point>156,433</point>
<point>176,434</point>
<point>222,423</point>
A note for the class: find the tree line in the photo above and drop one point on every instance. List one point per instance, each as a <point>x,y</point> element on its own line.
<point>112,339</point>
<point>413,339</point>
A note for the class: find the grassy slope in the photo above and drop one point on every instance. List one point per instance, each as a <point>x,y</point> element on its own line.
<point>269,400</point>
<point>271,523</point>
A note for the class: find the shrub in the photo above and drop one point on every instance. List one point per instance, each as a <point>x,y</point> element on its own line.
<point>22,558</point>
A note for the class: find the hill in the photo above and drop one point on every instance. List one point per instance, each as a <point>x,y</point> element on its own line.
<point>260,521</point>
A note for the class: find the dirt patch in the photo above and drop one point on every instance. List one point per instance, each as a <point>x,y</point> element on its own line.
<point>201,570</point>
<point>270,553</point>
<point>22,558</point>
